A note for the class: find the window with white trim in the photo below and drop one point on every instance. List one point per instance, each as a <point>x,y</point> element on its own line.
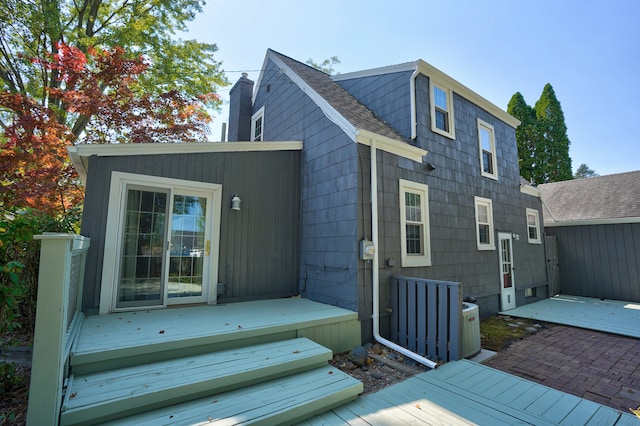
<point>441,110</point>
<point>533,226</point>
<point>257,125</point>
<point>487,146</point>
<point>484,224</point>
<point>414,224</point>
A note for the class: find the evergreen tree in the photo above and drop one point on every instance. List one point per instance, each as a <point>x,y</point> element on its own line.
<point>585,172</point>
<point>552,130</point>
<point>525,135</point>
<point>543,145</point>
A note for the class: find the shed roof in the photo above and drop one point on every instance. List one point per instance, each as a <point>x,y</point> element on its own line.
<point>602,199</point>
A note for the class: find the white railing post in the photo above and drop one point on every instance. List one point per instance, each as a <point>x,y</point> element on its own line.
<point>49,354</point>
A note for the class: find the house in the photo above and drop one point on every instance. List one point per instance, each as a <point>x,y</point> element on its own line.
<point>449,203</point>
<point>595,225</point>
<point>333,190</point>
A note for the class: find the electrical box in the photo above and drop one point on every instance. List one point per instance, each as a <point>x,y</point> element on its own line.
<point>367,250</point>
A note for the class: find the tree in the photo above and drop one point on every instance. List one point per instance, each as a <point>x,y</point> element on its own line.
<point>99,90</point>
<point>553,132</point>
<point>584,172</point>
<point>139,27</point>
<point>525,136</point>
<point>325,66</point>
<point>543,145</point>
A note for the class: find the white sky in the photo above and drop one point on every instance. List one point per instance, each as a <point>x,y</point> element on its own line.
<point>588,50</point>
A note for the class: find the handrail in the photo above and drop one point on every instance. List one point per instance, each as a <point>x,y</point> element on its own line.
<point>58,317</point>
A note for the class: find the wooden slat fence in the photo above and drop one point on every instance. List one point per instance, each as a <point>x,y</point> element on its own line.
<point>427,317</point>
<point>58,319</point>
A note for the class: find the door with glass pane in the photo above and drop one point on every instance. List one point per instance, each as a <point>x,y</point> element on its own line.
<point>507,288</point>
<point>164,248</point>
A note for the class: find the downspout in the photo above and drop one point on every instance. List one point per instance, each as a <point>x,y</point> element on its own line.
<point>414,118</point>
<point>376,272</point>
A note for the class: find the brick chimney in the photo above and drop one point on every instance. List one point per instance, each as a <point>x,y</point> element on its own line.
<point>240,110</point>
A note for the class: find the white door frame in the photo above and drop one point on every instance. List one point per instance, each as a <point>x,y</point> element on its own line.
<point>110,264</point>
<point>507,283</point>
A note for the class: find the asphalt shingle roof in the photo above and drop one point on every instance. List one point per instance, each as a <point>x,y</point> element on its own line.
<point>349,107</point>
<point>597,198</point>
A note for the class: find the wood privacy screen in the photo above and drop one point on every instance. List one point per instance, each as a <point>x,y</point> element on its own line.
<point>427,317</point>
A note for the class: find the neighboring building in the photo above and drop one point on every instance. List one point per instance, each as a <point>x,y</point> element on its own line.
<point>448,201</point>
<point>596,226</point>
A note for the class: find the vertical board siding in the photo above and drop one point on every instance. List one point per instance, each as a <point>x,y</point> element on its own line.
<point>258,245</point>
<point>427,317</point>
<point>599,260</point>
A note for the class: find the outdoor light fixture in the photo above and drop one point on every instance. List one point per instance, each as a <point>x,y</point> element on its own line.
<point>235,202</point>
<point>430,167</point>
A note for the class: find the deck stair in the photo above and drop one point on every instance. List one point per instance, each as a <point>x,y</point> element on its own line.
<point>274,383</point>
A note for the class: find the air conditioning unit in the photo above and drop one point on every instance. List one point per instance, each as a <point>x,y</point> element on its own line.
<point>470,330</point>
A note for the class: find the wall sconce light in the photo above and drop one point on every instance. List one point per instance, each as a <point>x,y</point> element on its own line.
<point>430,167</point>
<point>235,202</point>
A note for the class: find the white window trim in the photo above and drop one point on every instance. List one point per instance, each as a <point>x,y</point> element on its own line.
<point>494,161</point>
<point>536,213</point>
<point>254,119</point>
<point>119,181</point>
<point>452,128</point>
<point>423,190</point>
<point>492,242</point>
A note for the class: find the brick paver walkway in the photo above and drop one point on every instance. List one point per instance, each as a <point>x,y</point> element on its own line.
<point>597,366</point>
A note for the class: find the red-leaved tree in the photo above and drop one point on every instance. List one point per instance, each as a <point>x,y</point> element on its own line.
<point>99,90</point>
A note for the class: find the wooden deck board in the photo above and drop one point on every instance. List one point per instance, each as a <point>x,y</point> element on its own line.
<point>448,396</point>
<point>101,395</point>
<point>610,316</point>
<point>276,402</point>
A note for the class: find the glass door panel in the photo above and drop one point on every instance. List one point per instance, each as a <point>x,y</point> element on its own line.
<point>188,248</point>
<point>141,280</point>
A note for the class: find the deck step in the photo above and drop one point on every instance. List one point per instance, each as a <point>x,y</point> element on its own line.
<point>282,401</point>
<point>107,395</point>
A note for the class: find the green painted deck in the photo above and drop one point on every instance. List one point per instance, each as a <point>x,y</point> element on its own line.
<point>610,316</point>
<point>464,392</point>
<point>129,338</point>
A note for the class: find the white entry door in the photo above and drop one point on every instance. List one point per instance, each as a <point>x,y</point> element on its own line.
<point>507,286</point>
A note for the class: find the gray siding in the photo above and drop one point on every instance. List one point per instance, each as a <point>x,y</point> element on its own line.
<point>452,187</point>
<point>329,183</point>
<point>258,245</point>
<point>388,96</point>
<point>599,260</point>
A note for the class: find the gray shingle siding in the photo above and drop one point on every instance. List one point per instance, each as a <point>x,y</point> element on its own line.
<point>329,183</point>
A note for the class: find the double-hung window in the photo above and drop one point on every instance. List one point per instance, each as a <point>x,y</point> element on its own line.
<point>414,224</point>
<point>257,125</point>
<point>533,226</point>
<point>484,224</point>
<point>441,110</point>
<point>487,146</point>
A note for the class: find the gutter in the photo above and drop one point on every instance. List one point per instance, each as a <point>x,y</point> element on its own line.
<point>412,88</point>
<point>376,266</point>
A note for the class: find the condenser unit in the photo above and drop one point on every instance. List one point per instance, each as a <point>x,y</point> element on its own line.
<point>470,330</point>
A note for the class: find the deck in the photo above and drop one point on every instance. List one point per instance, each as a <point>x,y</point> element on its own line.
<point>464,392</point>
<point>609,316</point>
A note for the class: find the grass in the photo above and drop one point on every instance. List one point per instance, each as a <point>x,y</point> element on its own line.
<point>498,332</point>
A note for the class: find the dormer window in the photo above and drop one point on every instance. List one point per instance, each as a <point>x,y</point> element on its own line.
<point>257,125</point>
<point>441,110</point>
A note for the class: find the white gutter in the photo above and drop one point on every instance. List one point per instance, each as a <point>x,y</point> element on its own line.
<point>376,265</point>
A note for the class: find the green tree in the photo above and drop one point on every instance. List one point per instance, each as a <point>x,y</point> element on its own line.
<point>552,131</point>
<point>543,145</point>
<point>139,27</point>
<point>584,172</point>
<point>325,66</point>
<point>525,136</point>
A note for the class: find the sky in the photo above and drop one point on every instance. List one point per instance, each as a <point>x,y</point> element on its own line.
<point>588,50</point>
